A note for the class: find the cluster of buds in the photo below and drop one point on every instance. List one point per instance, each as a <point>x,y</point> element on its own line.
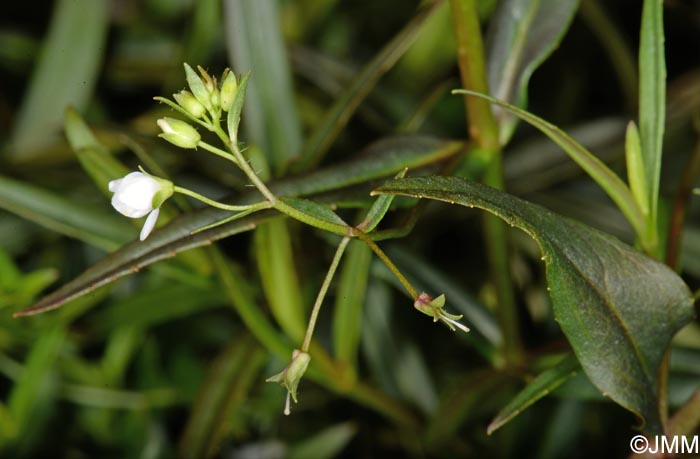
<point>204,102</point>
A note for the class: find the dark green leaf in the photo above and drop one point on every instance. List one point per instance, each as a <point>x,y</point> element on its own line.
<point>618,308</point>
<point>604,177</point>
<point>311,212</point>
<point>384,158</point>
<point>522,34</point>
<point>539,387</point>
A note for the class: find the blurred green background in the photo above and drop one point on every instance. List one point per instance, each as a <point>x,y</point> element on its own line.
<point>160,365</point>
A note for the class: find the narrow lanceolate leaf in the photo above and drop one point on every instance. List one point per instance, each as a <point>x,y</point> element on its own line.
<point>224,389</point>
<point>95,159</point>
<point>350,302</point>
<point>255,43</point>
<point>64,75</point>
<point>275,258</point>
<point>349,100</point>
<point>539,387</point>
<point>652,99</point>
<point>315,214</point>
<point>234,114</point>
<point>522,34</point>
<point>66,216</point>
<point>379,208</point>
<point>618,308</point>
<point>606,178</point>
<point>382,159</point>
<point>636,173</point>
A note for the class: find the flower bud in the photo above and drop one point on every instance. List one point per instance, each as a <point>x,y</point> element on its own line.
<point>289,377</point>
<point>179,133</point>
<point>435,309</point>
<point>229,88</point>
<point>189,102</point>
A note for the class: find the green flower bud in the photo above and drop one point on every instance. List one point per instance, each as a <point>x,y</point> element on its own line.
<point>289,377</point>
<point>179,133</point>
<point>189,102</point>
<point>229,88</point>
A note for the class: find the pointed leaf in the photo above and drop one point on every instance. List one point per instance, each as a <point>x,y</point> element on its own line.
<point>652,99</point>
<point>522,34</point>
<point>606,178</point>
<point>350,302</point>
<point>234,114</point>
<point>65,73</point>
<point>384,158</point>
<point>275,259</point>
<point>539,387</point>
<point>72,218</point>
<point>618,308</point>
<point>255,43</point>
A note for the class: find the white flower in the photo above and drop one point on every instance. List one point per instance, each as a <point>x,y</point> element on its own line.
<point>137,195</point>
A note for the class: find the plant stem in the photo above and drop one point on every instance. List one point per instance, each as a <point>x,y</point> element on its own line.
<point>389,264</point>
<point>218,152</point>
<point>484,132</point>
<point>680,206</point>
<point>322,293</point>
<point>211,202</point>
<point>470,55</point>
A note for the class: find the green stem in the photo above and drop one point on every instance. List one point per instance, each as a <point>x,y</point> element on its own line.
<point>496,233</point>
<point>218,152</point>
<point>470,55</point>
<point>484,132</point>
<point>389,264</point>
<point>211,202</point>
<point>322,293</point>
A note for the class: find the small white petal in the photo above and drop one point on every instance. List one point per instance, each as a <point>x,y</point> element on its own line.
<point>149,224</point>
<point>114,185</point>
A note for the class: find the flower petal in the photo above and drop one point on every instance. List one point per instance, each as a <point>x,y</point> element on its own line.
<point>114,185</point>
<point>149,224</point>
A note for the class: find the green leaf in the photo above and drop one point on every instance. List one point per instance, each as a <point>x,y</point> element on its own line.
<point>255,42</point>
<point>606,178</point>
<point>316,214</point>
<point>652,100</point>
<point>72,218</point>
<point>636,175</point>
<point>31,397</point>
<point>350,302</point>
<point>197,87</point>
<point>539,387</point>
<point>220,397</point>
<point>234,114</point>
<point>379,208</point>
<point>65,74</point>
<point>522,34</point>
<point>275,258</point>
<point>325,444</point>
<point>618,308</point>
<point>95,159</point>
<point>347,103</point>
<point>384,158</point>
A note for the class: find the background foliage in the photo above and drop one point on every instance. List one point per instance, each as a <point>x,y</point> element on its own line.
<point>171,361</point>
